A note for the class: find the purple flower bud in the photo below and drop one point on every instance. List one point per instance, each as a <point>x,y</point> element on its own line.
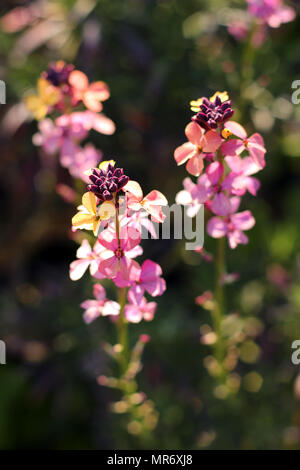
<point>213,113</point>
<point>107,182</point>
<point>58,73</point>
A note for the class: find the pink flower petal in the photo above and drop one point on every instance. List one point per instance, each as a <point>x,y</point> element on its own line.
<point>220,204</point>
<point>216,227</point>
<point>233,147</point>
<point>99,292</point>
<point>110,308</point>
<point>195,165</point>
<point>132,313</point>
<point>236,129</point>
<point>211,141</point>
<point>214,172</point>
<point>184,152</point>
<point>78,268</point>
<point>85,250</point>
<point>243,220</point>
<point>194,133</point>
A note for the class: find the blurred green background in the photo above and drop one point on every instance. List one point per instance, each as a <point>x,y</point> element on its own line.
<point>155,56</point>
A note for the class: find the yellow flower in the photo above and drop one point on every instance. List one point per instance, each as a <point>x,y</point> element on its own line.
<point>47,95</point>
<point>88,217</point>
<point>195,104</point>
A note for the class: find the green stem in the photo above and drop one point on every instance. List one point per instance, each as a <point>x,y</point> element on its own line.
<point>122,323</point>
<point>218,311</point>
<point>123,328</point>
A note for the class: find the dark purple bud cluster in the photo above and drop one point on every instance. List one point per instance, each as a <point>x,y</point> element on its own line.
<point>213,113</point>
<point>58,73</point>
<point>107,182</point>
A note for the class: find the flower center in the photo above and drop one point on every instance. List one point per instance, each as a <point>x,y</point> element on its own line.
<point>119,253</point>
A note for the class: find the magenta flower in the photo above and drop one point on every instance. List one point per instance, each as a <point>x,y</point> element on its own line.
<point>232,226</point>
<point>99,307</point>
<point>254,144</point>
<point>87,258</point>
<point>148,279</point>
<point>134,313</point>
<point>239,180</point>
<point>273,12</point>
<point>193,151</point>
<point>119,253</point>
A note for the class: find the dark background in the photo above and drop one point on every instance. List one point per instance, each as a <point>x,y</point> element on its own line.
<point>155,56</point>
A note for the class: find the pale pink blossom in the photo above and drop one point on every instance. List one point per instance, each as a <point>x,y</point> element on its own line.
<point>193,151</point>
<point>253,144</point>
<point>152,203</point>
<point>99,307</point>
<point>87,258</point>
<point>119,253</point>
<point>61,136</point>
<point>238,181</point>
<point>134,313</point>
<point>188,197</point>
<point>273,12</point>
<point>232,226</point>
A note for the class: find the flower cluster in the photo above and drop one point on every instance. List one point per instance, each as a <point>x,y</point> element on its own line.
<point>75,107</point>
<point>232,158</point>
<point>264,13</point>
<point>115,219</point>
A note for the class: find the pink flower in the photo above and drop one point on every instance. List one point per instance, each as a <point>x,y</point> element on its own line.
<point>87,258</point>
<point>96,121</point>
<point>148,279</point>
<point>139,220</point>
<point>254,144</point>
<point>119,253</point>
<point>233,225</point>
<point>194,150</point>
<point>239,180</point>
<point>238,29</point>
<point>152,203</point>
<point>99,307</point>
<point>62,136</point>
<point>91,94</point>
<point>134,313</point>
<point>208,185</point>
<point>273,12</point>
<point>188,197</point>
<point>82,160</point>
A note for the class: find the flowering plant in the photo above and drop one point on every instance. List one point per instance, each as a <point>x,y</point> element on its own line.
<point>223,158</point>
<point>61,91</point>
<point>109,208</point>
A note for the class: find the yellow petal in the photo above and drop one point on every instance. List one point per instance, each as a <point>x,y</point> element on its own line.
<point>223,95</point>
<point>48,93</point>
<point>107,210</point>
<point>89,202</point>
<point>96,224</point>
<point>36,106</point>
<point>104,165</point>
<point>195,104</point>
<point>83,219</point>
